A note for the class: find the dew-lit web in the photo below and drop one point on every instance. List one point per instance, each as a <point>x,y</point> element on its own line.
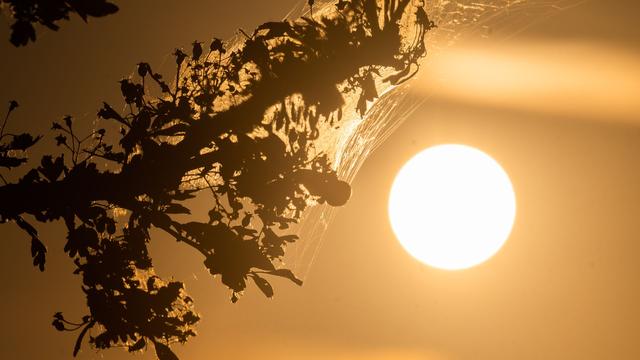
<point>359,136</point>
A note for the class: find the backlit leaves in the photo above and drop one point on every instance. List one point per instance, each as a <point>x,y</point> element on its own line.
<point>81,240</point>
<point>286,273</point>
<point>138,345</point>
<point>237,124</point>
<point>38,250</point>
<point>164,352</point>
<point>263,285</point>
<point>52,169</point>
<point>22,142</point>
<point>38,253</point>
<point>49,13</point>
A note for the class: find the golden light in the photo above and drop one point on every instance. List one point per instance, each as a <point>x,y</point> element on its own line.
<point>452,206</point>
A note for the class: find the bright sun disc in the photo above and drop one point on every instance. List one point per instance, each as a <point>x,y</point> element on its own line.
<point>452,206</point>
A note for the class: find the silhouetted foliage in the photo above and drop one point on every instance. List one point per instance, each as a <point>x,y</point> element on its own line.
<point>27,13</point>
<point>237,122</point>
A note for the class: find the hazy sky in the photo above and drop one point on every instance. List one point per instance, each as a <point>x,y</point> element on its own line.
<point>556,103</point>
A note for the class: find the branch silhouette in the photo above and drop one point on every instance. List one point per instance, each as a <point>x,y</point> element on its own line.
<point>48,13</point>
<point>238,122</point>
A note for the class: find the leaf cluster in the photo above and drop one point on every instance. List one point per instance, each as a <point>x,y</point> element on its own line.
<point>48,13</point>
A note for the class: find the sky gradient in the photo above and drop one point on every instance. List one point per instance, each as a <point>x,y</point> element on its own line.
<point>555,103</point>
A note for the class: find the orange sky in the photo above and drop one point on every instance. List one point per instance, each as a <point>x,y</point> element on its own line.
<point>556,104</point>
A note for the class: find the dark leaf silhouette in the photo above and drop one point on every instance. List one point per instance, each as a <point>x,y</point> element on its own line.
<point>263,285</point>
<point>11,162</point>
<point>58,325</point>
<point>286,273</point>
<point>38,252</point>
<point>22,142</point>
<point>49,13</point>
<point>139,345</point>
<point>163,352</point>
<point>22,32</point>
<point>95,8</point>
<point>176,209</point>
<point>52,169</point>
<point>27,227</point>
<point>61,140</point>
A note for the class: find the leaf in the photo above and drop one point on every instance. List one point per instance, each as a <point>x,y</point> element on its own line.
<point>23,142</point>
<point>57,323</point>
<point>11,162</point>
<point>275,29</point>
<point>80,240</point>
<point>264,285</point>
<point>60,140</point>
<point>22,32</point>
<point>31,177</point>
<point>183,195</point>
<point>132,93</point>
<point>76,348</point>
<point>38,250</point>
<point>103,9</point>
<point>95,8</point>
<point>286,273</point>
<point>246,221</point>
<point>164,352</point>
<point>51,169</point>
<point>176,209</point>
<point>139,345</point>
<point>38,253</point>
<point>27,227</point>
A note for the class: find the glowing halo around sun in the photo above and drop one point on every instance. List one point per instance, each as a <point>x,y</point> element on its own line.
<point>452,206</point>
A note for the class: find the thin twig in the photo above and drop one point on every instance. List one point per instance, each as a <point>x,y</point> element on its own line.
<point>245,34</point>
<point>6,119</point>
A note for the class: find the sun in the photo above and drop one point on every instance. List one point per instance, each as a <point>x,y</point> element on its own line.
<point>452,206</point>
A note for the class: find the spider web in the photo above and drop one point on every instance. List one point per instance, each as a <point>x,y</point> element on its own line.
<point>359,136</point>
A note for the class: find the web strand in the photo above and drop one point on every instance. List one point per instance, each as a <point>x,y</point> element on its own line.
<point>359,137</point>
